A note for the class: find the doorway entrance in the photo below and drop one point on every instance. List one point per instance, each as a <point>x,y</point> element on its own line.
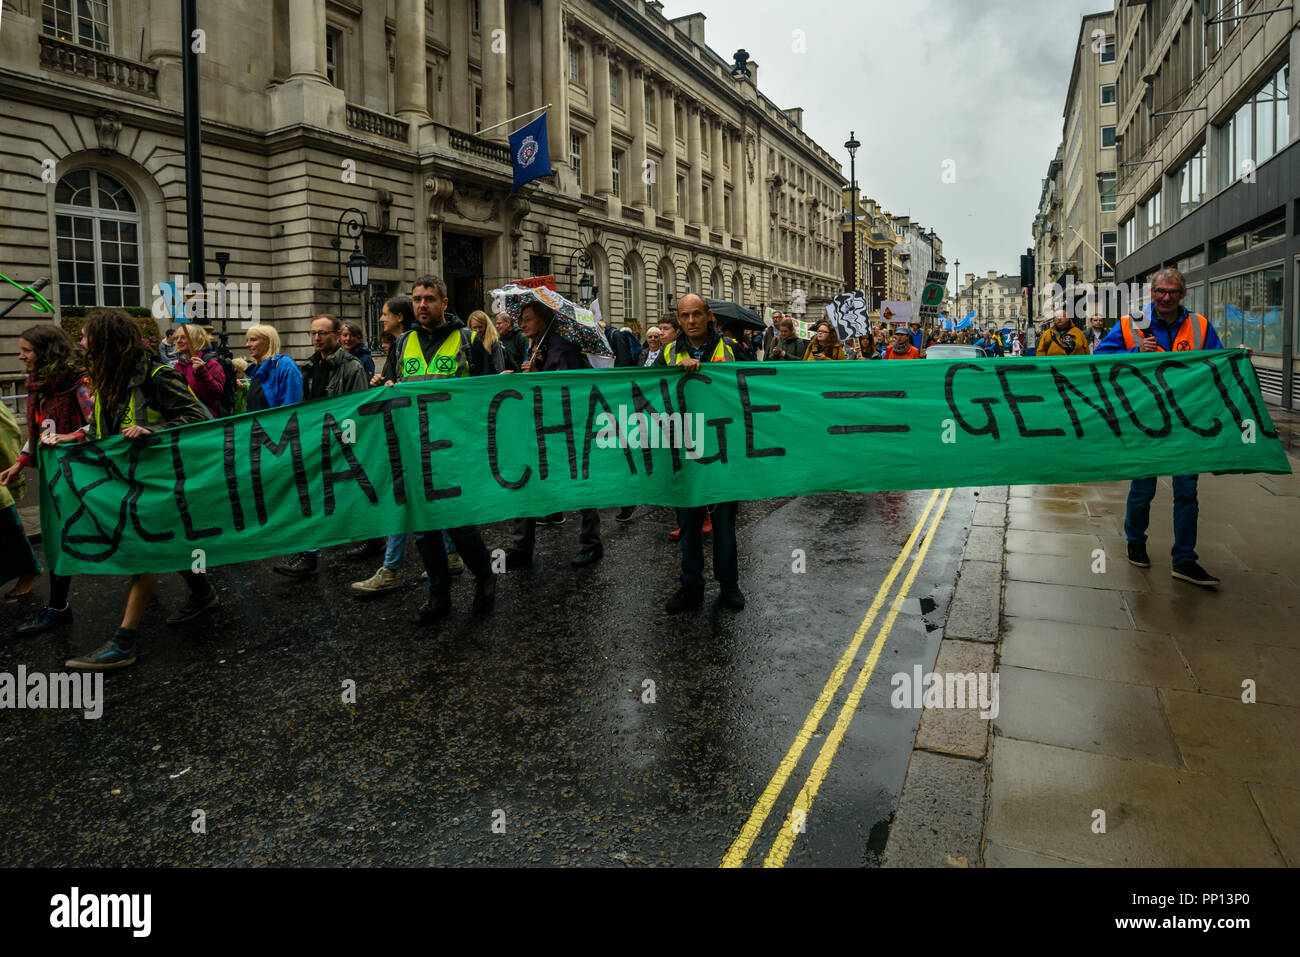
<point>463,272</point>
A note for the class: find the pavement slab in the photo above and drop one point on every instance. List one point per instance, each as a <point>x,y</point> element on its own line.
<point>1232,739</point>
<point>1108,654</point>
<point>1088,606</point>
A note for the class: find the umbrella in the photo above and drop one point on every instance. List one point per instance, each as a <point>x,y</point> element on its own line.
<point>572,322</point>
<point>724,310</point>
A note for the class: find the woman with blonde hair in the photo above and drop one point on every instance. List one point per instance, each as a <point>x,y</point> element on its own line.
<point>273,378</point>
<point>480,324</point>
<point>825,344</point>
<point>198,365</point>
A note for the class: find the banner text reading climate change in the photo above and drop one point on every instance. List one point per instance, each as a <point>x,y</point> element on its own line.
<point>447,453</point>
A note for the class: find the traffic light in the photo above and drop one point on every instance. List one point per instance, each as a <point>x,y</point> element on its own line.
<point>1027,270</point>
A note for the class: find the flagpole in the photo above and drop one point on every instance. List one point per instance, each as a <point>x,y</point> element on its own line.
<point>488,129</point>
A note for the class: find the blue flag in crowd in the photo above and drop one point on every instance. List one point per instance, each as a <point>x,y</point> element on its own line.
<point>529,153</point>
<point>967,322</point>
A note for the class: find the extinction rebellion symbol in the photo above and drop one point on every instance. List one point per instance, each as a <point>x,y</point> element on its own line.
<point>527,151</point>
<point>412,366</point>
<point>444,364</point>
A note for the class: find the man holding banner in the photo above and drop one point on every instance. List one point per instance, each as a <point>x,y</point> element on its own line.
<point>698,343</point>
<point>1164,326</point>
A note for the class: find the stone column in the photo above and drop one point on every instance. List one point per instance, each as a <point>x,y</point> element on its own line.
<point>555,82</point>
<point>410,95</point>
<point>695,209</point>
<point>164,31</point>
<point>603,157</point>
<point>636,120</point>
<point>739,188</point>
<point>492,16</point>
<point>719,194</point>
<point>307,39</point>
<point>667,172</point>
<point>460,24</point>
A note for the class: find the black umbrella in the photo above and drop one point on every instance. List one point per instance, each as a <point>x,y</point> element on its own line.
<point>724,310</point>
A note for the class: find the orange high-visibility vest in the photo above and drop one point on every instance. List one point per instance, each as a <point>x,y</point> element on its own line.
<point>912,353</point>
<point>1191,335</point>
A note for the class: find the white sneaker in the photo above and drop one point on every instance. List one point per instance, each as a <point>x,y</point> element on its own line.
<point>383,580</point>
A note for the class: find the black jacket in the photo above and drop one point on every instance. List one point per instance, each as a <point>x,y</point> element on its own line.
<point>515,344</point>
<point>480,363</point>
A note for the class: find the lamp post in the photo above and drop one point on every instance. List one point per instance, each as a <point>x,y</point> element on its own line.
<point>852,146</point>
<point>354,221</point>
<point>586,289</point>
<point>956,287</point>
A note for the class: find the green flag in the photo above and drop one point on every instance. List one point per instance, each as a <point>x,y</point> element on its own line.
<point>445,453</point>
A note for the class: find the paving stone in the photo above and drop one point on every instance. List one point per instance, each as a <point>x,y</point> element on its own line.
<point>940,814</point>
<point>1230,739</point>
<point>1204,613</point>
<point>1069,711</point>
<point>993,493</point>
<point>1088,606</point>
<point>1042,800</point>
<point>1047,543</point>
<point>999,855</point>
<point>1113,571</point>
<point>985,544</point>
<point>1110,654</point>
<point>973,613</point>
<point>1281,810</point>
<point>990,513</point>
<point>958,731</point>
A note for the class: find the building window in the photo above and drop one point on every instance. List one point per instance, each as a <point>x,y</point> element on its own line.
<point>575,62</point>
<point>1153,215</point>
<point>706,201</point>
<point>84,22</point>
<point>681,196</point>
<point>97,230</point>
<point>651,108</point>
<point>1259,129</point>
<point>1191,182</point>
<point>1109,250</point>
<point>1247,310</point>
<point>1129,229</point>
<point>1108,137</point>
<point>1226,9</point>
<point>615,86</point>
<point>1106,182</point>
<point>477,14</point>
<point>629,305</point>
<point>575,157</point>
<point>478,107</point>
<point>652,187</point>
<point>617,173</point>
<point>1108,52</point>
<point>334,56</point>
<point>1108,94</point>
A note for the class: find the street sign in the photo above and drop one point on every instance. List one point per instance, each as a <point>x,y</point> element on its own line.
<point>936,287</point>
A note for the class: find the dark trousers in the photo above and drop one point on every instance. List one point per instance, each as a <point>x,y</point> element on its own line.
<point>468,542</point>
<point>1186,510</point>
<point>525,532</point>
<point>726,566</point>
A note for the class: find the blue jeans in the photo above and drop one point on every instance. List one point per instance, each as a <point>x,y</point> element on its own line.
<point>1138,515</point>
<point>726,565</point>
<point>395,553</point>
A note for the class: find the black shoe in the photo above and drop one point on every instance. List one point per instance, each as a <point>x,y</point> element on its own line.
<point>732,598</point>
<point>626,514</point>
<point>195,607</point>
<point>686,599</point>
<point>46,619</point>
<point>435,607</point>
<point>588,556</point>
<point>1194,573</point>
<point>517,560</point>
<point>485,594</point>
<point>298,566</point>
<point>114,653</point>
<point>367,549</point>
<point>1137,555</point>
<point>555,518</point>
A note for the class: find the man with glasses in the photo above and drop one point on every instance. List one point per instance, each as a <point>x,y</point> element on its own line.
<point>331,371</point>
<point>1164,326</point>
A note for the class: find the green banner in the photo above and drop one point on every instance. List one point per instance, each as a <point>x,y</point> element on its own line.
<point>446,453</point>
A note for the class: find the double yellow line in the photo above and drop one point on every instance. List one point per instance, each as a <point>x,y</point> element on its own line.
<point>784,841</point>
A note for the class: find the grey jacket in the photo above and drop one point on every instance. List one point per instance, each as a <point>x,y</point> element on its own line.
<point>345,374</point>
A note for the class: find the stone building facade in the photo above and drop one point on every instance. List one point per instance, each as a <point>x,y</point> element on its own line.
<point>672,175</point>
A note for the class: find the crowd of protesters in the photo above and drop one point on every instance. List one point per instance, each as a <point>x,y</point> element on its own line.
<point>111,383</point>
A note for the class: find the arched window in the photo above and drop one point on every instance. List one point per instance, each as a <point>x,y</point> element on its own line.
<point>600,277</point>
<point>694,282</point>
<point>97,228</point>
<point>633,285</point>
<point>715,284</point>
<point>737,289</point>
<point>666,283</point>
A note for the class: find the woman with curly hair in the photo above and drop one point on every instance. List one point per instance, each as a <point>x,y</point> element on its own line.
<point>57,394</point>
<point>825,344</point>
<point>136,394</point>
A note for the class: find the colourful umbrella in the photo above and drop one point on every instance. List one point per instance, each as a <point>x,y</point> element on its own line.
<point>572,322</point>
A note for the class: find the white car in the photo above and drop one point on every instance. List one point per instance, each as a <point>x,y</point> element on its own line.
<point>952,351</point>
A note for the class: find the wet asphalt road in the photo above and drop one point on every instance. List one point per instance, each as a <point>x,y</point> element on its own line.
<point>536,712</point>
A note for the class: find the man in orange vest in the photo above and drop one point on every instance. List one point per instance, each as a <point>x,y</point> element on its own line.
<point>902,347</point>
<point>1164,326</point>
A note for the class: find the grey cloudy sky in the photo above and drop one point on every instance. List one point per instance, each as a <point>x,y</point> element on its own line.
<point>981,82</point>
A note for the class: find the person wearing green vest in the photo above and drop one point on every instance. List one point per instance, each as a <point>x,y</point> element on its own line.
<point>441,347</point>
<point>700,343</point>
<point>136,394</point>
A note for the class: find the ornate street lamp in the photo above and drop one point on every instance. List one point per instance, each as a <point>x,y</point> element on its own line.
<point>354,221</point>
<point>852,146</point>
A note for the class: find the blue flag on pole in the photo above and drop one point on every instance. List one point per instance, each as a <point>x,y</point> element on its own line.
<point>968,321</point>
<point>529,152</point>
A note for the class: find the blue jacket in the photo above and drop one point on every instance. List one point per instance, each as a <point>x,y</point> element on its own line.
<point>278,381</point>
<point>1114,341</point>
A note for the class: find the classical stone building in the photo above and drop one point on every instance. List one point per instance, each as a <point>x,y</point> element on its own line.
<point>893,254</point>
<point>672,174</point>
<point>997,300</point>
